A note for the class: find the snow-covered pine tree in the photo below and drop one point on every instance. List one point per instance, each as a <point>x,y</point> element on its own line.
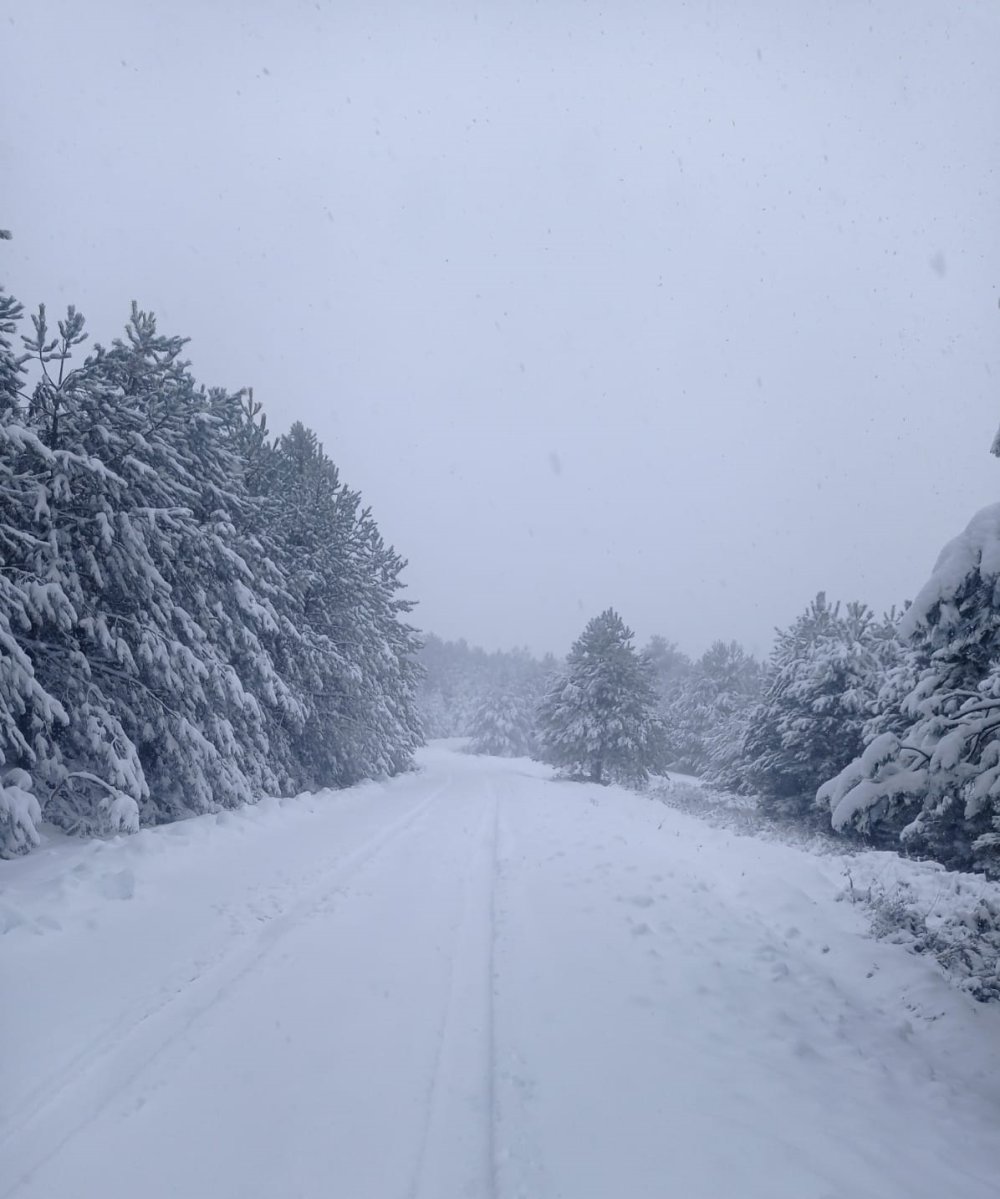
<point>820,690</point>
<point>11,363</point>
<point>503,724</point>
<point>707,705</point>
<point>929,769</point>
<point>669,665</point>
<point>358,670</point>
<point>381,712</point>
<point>159,669</point>
<point>453,685</point>
<point>50,742</point>
<point>599,719</point>
<point>160,654</point>
<point>737,679</point>
<point>28,713</point>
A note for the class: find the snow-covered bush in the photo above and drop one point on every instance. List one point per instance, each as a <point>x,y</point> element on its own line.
<point>20,814</point>
<point>949,915</point>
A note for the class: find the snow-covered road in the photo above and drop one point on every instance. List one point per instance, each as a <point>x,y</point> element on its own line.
<point>474,982</point>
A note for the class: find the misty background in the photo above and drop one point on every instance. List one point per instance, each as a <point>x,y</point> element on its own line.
<point>686,308</point>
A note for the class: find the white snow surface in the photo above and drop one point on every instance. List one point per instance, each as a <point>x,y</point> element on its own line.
<point>474,982</point>
<point>976,548</point>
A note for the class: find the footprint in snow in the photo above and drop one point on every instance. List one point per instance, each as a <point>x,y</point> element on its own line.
<point>118,885</point>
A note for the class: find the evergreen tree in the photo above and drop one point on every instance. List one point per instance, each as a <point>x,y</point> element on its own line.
<point>190,615</point>
<point>822,680</point>
<point>158,663</point>
<point>26,707</point>
<point>707,707</point>
<point>929,770</point>
<point>456,680</point>
<point>736,680</point>
<point>599,719</point>
<point>704,705</point>
<point>358,670</point>
<point>503,725</point>
<point>668,664</point>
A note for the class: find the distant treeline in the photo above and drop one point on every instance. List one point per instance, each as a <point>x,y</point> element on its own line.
<point>886,729</point>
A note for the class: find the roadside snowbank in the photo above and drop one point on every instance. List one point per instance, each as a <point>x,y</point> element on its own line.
<point>952,916</point>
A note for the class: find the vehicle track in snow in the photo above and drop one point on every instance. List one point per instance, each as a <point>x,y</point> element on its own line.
<point>460,1102</point>
<point>494,983</point>
<point>514,989</point>
<point>67,1102</point>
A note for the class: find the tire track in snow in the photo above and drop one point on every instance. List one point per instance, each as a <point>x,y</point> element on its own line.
<point>518,1162</point>
<point>456,1150</point>
<point>492,1002</point>
<point>95,1076</point>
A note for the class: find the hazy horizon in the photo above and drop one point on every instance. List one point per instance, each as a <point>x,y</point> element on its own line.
<point>686,310</point>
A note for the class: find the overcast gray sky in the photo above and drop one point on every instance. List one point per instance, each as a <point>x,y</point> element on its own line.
<point>691,309</point>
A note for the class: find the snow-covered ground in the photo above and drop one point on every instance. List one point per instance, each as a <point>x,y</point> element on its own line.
<point>474,982</point>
